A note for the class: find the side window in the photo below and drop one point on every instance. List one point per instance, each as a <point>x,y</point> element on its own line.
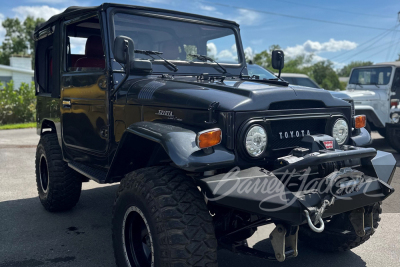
<point>44,65</point>
<point>84,45</point>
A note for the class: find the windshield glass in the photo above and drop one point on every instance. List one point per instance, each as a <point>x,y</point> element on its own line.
<point>259,71</point>
<point>373,76</point>
<point>177,39</point>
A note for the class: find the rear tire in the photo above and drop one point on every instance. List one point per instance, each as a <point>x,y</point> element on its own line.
<point>333,241</point>
<point>59,187</point>
<point>176,226</point>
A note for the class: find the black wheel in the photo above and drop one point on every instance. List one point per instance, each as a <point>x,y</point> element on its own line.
<point>339,234</point>
<point>382,132</point>
<point>393,137</point>
<point>59,186</point>
<point>161,219</point>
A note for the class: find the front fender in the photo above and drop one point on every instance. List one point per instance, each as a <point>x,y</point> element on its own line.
<point>179,144</point>
<point>371,114</point>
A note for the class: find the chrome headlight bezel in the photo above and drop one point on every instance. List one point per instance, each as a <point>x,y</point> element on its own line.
<point>341,124</point>
<point>262,139</point>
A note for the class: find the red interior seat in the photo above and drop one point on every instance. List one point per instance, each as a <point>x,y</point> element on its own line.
<point>94,54</point>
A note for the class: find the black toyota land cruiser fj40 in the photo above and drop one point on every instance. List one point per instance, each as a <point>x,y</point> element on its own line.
<point>162,102</point>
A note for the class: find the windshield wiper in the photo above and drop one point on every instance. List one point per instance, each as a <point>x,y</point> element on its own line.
<point>359,84</point>
<point>158,54</point>
<point>205,59</point>
<point>376,84</point>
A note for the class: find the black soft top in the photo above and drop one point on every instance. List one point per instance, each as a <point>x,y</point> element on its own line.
<point>76,10</point>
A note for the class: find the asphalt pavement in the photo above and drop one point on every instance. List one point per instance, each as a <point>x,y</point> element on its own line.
<point>30,236</point>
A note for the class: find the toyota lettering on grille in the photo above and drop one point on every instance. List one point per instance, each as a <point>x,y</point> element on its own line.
<point>294,134</point>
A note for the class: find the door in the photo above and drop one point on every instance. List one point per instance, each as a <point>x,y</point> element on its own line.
<point>395,90</point>
<point>84,92</point>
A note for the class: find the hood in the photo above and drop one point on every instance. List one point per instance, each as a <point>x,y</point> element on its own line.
<point>365,95</point>
<point>340,94</point>
<point>232,95</point>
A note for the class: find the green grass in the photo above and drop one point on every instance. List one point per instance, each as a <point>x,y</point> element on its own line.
<point>18,126</point>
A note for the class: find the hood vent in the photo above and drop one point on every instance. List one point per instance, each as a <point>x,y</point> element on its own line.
<point>296,104</point>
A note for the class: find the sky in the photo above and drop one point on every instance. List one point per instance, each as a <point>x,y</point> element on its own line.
<point>341,31</point>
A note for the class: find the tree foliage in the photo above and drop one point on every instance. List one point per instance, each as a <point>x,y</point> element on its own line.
<point>18,38</point>
<point>345,71</point>
<point>17,106</point>
<point>322,72</point>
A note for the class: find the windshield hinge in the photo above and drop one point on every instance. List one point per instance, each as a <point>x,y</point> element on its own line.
<point>211,110</point>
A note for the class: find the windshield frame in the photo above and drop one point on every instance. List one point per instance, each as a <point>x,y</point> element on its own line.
<point>185,67</point>
<point>357,85</point>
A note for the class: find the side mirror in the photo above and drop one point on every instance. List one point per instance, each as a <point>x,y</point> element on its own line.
<point>278,60</point>
<point>124,52</point>
<point>122,45</point>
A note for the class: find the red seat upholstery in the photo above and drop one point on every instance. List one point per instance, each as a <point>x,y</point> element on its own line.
<point>94,54</point>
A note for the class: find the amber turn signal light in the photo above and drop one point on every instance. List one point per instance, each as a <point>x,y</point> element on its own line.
<point>209,138</point>
<point>360,121</point>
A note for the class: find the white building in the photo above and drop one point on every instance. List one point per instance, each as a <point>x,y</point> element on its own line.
<point>20,70</point>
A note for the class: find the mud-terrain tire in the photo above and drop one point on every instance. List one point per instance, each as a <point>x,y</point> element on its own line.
<point>161,217</point>
<point>333,241</point>
<point>382,132</point>
<point>59,186</point>
<point>393,137</point>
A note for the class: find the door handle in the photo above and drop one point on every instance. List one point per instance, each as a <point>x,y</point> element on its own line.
<point>66,103</point>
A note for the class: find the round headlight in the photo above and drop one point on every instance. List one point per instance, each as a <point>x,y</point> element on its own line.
<point>340,131</point>
<point>256,140</point>
<point>395,117</point>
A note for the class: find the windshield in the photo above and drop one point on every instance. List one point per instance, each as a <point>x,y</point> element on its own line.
<point>177,39</point>
<point>259,71</point>
<point>371,76</point>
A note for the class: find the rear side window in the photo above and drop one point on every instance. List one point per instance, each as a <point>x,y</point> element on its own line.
<point>44,65</point>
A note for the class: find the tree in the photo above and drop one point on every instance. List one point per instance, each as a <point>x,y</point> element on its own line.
<point>18,38</point>
<point>263,58</point>
<point>323,73</point>
<point>345,71</point>
<point>298,64</point>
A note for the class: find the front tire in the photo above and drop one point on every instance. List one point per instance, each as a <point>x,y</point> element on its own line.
<point>393,137</point>
<point>59,187</point>
<point>160,218</point>
<point>339,234</point>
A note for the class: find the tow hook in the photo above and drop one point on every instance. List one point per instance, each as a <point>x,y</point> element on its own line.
<point>312,226</point>
<point>318,216</point>
<point>281,239</point>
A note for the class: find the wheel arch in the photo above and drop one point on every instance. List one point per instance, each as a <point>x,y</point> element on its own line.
<point>371,117</point>
<point>146,144</point>
<point>46,125</point>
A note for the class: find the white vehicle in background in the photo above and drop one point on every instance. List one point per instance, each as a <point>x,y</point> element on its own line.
<point>304,80</point>
<point>376,92</point>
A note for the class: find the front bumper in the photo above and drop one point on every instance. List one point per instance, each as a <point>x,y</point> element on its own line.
<point>285,193</point>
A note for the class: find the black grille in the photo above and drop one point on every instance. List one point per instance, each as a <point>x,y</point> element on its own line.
<point>285,128</point>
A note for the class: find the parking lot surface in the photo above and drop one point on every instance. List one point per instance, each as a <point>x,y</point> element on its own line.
<point>30,236</point>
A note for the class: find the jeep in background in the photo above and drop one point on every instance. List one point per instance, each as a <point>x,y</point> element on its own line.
<point>376,92</point>
<point>161,101</point>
